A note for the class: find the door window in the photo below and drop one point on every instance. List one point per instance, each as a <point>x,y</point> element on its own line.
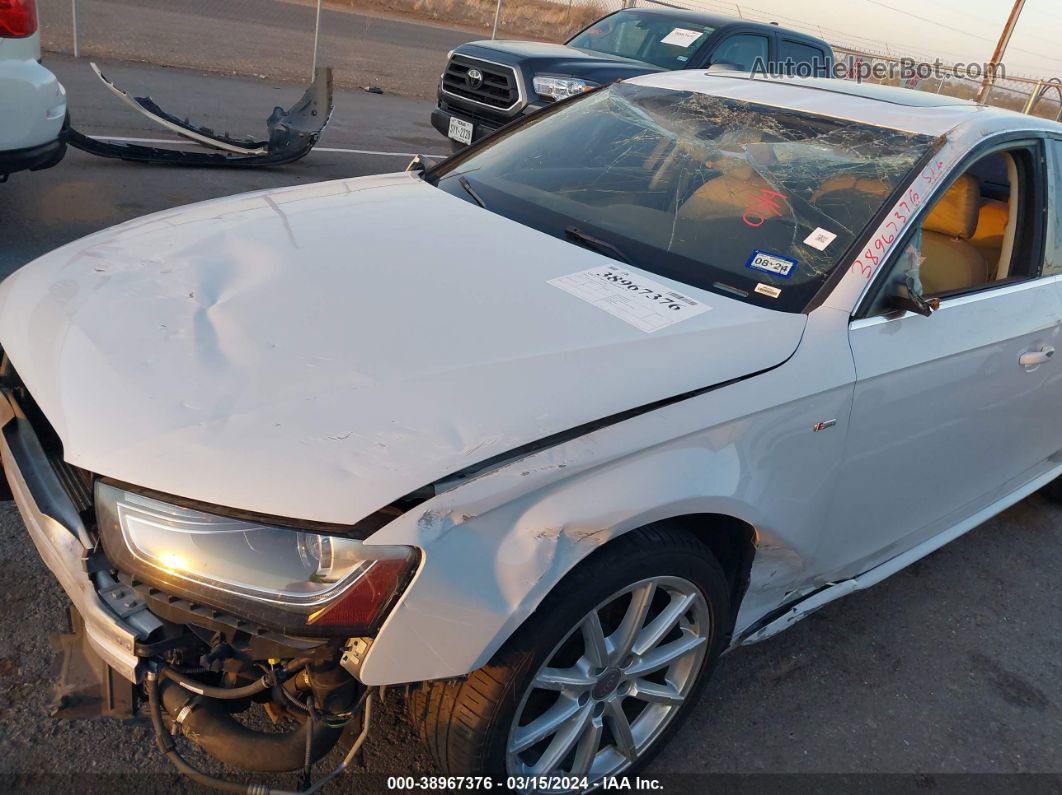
<point>742,50</point>
<point>802,59</point>
<point>982,232</point>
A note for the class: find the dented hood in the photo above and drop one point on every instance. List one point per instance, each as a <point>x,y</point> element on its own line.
<point>320,351</point>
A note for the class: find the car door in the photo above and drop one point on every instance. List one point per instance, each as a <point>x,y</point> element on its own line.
<point>953,410</point>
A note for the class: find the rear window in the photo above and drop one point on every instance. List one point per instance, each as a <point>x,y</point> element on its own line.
<point>755,202</point>
<point>666,42</point>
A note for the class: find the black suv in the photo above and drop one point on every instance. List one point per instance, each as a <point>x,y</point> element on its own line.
<point>487,84</point>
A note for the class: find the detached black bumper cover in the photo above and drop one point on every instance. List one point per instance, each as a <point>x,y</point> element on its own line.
<point>292,133</point>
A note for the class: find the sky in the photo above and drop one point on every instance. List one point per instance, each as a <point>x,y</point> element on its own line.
<point>954,30</point>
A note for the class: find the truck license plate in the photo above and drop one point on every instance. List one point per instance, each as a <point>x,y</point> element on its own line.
<point>460,130</point>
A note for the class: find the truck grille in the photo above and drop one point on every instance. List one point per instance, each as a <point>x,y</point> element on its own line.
<point>498,88</point>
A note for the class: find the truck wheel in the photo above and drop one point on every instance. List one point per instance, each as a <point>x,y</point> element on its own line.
<point>599,677</point>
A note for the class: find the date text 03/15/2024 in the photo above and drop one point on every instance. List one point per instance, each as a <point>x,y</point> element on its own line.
<point>520,783</point>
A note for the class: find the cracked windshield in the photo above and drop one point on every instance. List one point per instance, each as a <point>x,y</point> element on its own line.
<point>755,203</point>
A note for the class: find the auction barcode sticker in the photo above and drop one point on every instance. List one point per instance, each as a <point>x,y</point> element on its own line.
<point>643,303</point>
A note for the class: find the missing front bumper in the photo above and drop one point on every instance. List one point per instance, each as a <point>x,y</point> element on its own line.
<point>55,526</point>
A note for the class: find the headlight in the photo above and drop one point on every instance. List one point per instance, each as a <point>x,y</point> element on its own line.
<point>296,581</point>
<point>561,87</point>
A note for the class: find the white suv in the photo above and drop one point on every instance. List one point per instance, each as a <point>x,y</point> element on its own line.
<point>32,101</point>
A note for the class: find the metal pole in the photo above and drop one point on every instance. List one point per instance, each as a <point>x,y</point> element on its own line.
<point>1001,49</point>
<point>316,39</point>
<point>497,18</point>
<point>1033,97</point>
<point>73,9</point>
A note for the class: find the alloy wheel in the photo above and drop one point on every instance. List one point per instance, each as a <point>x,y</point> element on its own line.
<point>615,682</point>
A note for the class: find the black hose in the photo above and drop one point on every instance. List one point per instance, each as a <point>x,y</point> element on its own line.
<point>226,693</point>
<point>207,723</point>
<point>308,761</point>
<point>164,741</point>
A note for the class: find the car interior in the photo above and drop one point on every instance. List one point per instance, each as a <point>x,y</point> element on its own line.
<point>968,237</point>
<point>981,232</point>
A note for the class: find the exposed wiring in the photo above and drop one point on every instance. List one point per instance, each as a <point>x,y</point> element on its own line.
<point>307,766</point>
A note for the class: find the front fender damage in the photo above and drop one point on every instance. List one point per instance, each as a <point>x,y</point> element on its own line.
<point>292,133</point>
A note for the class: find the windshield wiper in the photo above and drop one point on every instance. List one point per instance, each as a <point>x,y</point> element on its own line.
<point>576,235</point>
<point>471,191</point>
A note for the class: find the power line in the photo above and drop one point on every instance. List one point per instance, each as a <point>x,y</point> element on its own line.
<point>953,29</point>
<point>945,25</point>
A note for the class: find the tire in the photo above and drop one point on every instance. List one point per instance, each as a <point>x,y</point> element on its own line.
<point>467,723</point>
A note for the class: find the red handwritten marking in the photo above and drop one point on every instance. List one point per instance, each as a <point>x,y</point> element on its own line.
<point>883,239</point>
<point>762,207</point>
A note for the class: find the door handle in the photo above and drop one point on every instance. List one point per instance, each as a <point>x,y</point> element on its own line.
<point>1036,358</point>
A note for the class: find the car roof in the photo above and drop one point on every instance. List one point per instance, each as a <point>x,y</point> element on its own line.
<point>719,21</point>
<point>884,106</point>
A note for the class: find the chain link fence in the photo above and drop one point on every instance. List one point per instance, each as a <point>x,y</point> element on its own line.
<point>369,42</point>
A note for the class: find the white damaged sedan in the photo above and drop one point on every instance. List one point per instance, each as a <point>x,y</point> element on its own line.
<point>543,429</point>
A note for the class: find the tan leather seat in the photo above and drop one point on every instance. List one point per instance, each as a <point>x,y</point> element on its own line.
<point>850,182</point>
<point>726,196</point>
<point>991,226</point>
<point>950,261</point>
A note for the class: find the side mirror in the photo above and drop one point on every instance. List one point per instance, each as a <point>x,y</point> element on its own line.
<point>419,164</point>
<point>906,296</point>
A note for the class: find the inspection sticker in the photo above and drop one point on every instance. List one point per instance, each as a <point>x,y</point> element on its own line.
<point>820,239</point>
<point>681,37</point>
<point>643,303</point>
<point>774,264</point>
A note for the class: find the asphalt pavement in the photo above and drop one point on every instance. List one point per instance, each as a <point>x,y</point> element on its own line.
<point>951,666</point>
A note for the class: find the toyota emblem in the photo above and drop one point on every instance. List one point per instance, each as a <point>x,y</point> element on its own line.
<point>474,78</point>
